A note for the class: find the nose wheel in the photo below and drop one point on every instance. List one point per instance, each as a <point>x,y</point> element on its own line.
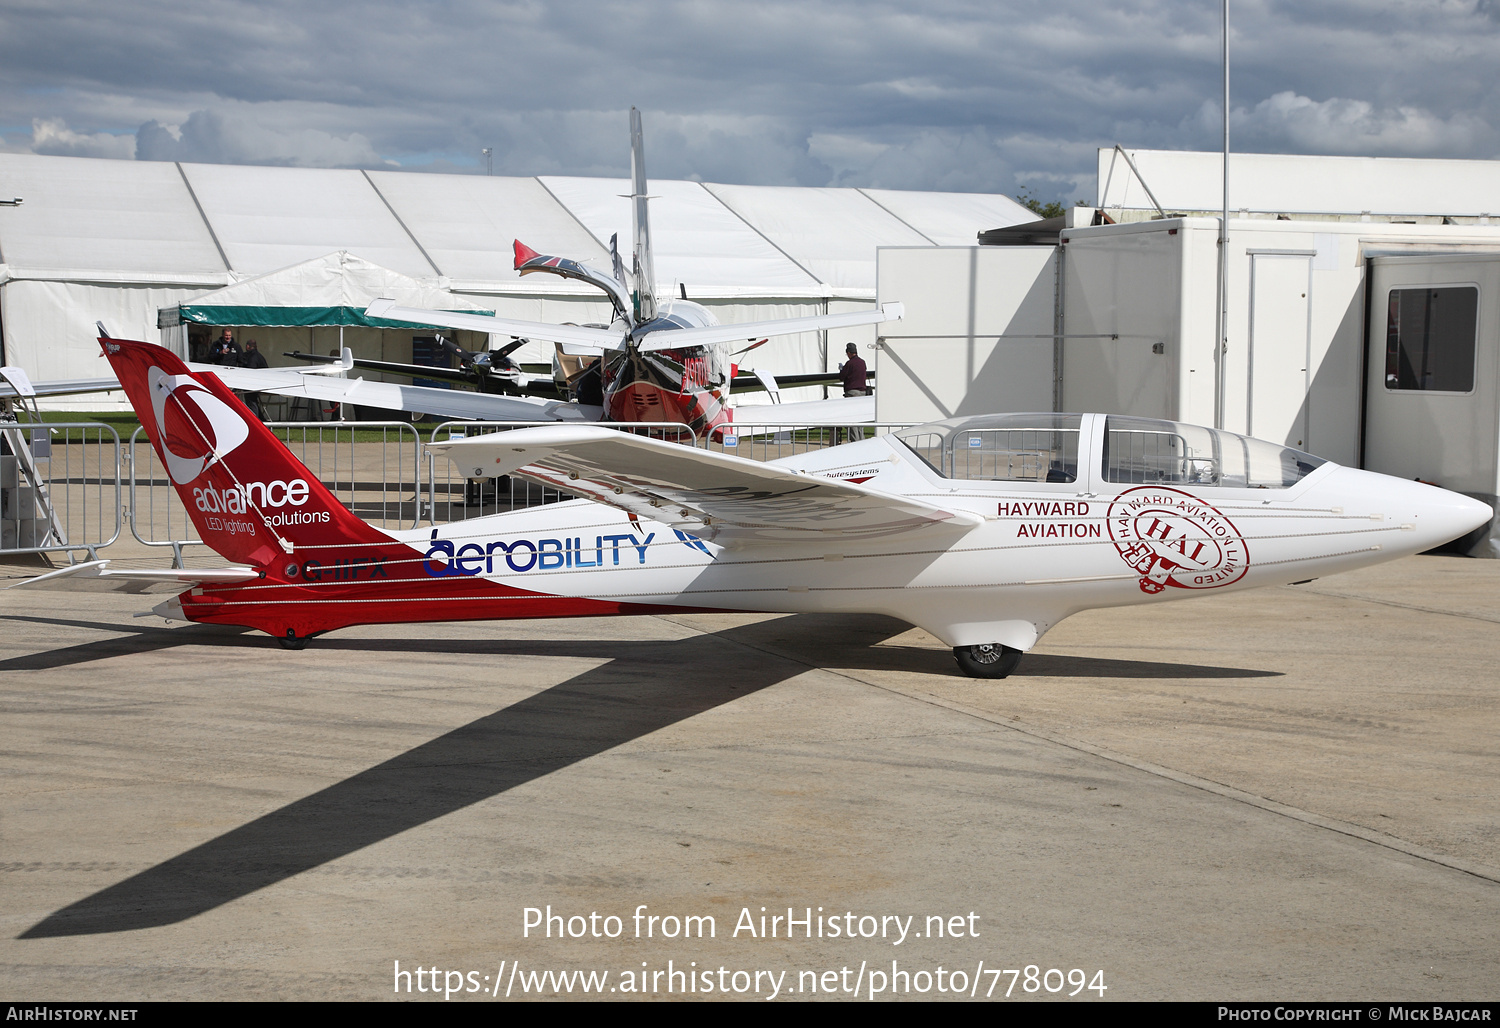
<point>987,660</point>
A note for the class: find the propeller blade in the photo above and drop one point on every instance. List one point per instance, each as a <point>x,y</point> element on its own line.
<point>464,356</point>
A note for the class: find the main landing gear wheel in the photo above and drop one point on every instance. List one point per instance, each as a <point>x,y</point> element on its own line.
<point>987,660</point>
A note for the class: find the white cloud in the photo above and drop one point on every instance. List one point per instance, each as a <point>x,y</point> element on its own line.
<point>1343,126</point>
<point>52,136</point>
<point>946,94</point>
<point>211,137</point>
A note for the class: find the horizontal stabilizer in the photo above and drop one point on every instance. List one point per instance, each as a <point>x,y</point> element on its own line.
<point>724,499</point>
<point>529,261</point>
<point>838,410</point>
<point>97,577</point>
<point>577,334</point>
<point>678,338</point>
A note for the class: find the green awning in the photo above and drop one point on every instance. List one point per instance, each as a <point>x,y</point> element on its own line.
<point>294,317</point>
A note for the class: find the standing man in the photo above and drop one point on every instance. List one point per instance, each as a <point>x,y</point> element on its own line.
<point>252,358</point>
<point>226,352</point>
<point>852,372</point>
<point>336,411</point>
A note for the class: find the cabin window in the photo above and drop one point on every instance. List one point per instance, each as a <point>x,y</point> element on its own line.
<point>1430,338</point>
<point>1000,447</point>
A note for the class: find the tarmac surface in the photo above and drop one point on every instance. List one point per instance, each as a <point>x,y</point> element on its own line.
<point>1280,794</point>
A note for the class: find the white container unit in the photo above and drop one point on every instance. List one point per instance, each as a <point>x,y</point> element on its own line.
<point>1432,386</point>
<point>977,335</point>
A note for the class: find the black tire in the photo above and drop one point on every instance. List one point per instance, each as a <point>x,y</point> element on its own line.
<point>293,642</point>
<point>987,660</point>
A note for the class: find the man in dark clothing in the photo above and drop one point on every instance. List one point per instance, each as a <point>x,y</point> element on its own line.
<point>852,372</point>
<point>253,358</point>
<point>226,352</point>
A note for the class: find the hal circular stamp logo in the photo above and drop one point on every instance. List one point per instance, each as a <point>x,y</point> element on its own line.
<point>1173,538</point>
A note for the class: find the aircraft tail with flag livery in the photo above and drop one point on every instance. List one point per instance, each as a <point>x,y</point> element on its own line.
<point>309,565</point>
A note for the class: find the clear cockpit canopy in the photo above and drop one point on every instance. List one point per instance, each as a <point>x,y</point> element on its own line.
<point>1000,447</point>
<point>1043,447</point>
<point>1149,452</point>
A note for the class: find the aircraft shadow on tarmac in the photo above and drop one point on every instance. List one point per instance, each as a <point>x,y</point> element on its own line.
<point>646,687</point>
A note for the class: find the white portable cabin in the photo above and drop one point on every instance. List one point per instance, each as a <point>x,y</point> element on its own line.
<point>977,336</point>
<point>1120,318</point>
<point>1310,325</point>
<point>1432,375</point>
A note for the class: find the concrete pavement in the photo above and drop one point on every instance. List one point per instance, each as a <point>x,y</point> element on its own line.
<point>1281,794</point>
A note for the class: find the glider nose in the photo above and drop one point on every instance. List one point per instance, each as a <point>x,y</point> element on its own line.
<point>1436,515</point>
<point>1468,514</point>
<point>1442,516</point>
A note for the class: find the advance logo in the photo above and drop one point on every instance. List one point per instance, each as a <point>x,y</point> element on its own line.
<point>259,496</point>
<point>196,429</point>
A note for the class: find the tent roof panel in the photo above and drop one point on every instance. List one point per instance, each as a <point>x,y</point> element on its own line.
<point>832,233</point>
<point>333,289</point>
<point>467,223</point>
<point>696,240</point>
<point>951,219</point>
<point>117,216</point>
<point>268,218</point>
<point>338,279</point>
<point>136,221</point>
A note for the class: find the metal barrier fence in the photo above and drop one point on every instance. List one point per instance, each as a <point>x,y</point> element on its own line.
<point>373,467</point>
<point>456,496</point>
<point>772,442</point>
<point>60,487</point>
<point>477,496</point>
<point>81,483</point>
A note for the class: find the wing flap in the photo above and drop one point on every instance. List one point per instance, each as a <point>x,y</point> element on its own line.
<point>715,496</point>
<point>448,403</point>
<point>14,383</point>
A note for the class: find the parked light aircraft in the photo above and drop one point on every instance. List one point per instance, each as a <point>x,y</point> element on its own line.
<point>986,531</point>
<point>497,373</point>
<point>661,360</point>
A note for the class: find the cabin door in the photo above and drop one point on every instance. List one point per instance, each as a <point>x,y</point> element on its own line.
<point>1278,379</point>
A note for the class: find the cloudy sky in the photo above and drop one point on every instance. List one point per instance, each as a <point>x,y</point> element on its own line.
<point>988,96</point>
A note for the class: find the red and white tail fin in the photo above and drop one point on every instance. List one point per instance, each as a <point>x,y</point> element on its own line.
<point>249,498</point>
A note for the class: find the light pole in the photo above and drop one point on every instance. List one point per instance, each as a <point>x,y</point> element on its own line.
<point>14,202</point>
<point>489,160</point>
<point>1221,315</point>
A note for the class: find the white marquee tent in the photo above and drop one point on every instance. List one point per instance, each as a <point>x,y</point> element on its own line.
<point>115,241</point>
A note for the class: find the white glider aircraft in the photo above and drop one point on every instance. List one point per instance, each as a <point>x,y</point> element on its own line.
<point>985,531</point>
